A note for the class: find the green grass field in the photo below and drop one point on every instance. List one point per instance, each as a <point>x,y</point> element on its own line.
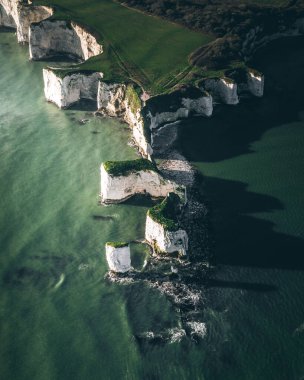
<point>154,52</point>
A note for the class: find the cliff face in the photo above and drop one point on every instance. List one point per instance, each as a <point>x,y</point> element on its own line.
<point>71,88</point>
<point>222,89</point>
<point>261,35</point>
<point>165,241</point>
<point>118,258</point>
<point>20,16</point>
<point>6,19</point>
<point>256,83</point>
<point>50,38</point>
<point>165,109</point>
<point>121,100</point>
<point>116,189</point>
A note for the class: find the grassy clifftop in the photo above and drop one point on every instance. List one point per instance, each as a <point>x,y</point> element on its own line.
<point>124,168</point>
<point>151,51</point>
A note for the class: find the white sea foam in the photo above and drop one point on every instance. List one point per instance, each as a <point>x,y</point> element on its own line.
<point>176,334</point>
<point>197,328</point>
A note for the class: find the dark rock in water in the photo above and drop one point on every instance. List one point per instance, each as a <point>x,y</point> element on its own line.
<point>22,276</point>
<point>95,132</point>
<point>103,218</point>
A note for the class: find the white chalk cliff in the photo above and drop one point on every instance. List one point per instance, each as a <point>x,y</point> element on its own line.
<point>6,19</point>
<point>114,100</point>
<point>116,189</point>
<point>20,16</point>
<point>255,82</point>
<point>165,241</point>
<point>71,88</point>
<point>49,38</point>
<point>118,258</point>
<point>198,106</point>
<point>222,89</point>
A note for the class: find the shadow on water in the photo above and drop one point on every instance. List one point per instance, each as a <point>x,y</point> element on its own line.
<point>232,129</point>
<point>246,240</point>
<point>84,105</point>
<point>141,200</point>
<point>243,239</point>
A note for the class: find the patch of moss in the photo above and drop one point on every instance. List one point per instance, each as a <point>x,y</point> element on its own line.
<point>171,101</point>
<point>133,98</point>
<point>165,213</point>
<point>123,168</point>
<point>117,244</point>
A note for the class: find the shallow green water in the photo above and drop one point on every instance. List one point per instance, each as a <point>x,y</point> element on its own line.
<point>59,319</point>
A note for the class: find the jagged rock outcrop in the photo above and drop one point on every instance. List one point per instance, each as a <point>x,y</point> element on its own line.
<point>122,179</point>
<point>162,229</point>
<point>6,19</point>
<point>261,35</point>
<point>71,87</point>
<point>255,83</point>
<point>165,241</point>
<point>51,38</point>
<point>118,256</point>
<point>20,15</point>
<point>177,105</point>
<point>122,100</point>
<point>224,89</point>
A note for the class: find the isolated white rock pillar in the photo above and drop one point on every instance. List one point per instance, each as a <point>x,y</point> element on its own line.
<point>118,256</point>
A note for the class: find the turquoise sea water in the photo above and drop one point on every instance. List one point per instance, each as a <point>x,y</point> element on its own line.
<point>59,318</point>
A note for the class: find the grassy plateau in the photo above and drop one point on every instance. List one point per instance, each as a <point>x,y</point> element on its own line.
<point>151,51</point>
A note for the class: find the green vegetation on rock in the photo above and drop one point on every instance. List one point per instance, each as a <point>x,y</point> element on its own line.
<point>123,168</point>
<point>148,50</point>
<point>133,98</point>
<point>165,213</point>
<point>117,244</point>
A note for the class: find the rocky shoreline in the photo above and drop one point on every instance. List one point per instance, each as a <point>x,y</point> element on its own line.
<point>154,124</point>
<point>181,281</point>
